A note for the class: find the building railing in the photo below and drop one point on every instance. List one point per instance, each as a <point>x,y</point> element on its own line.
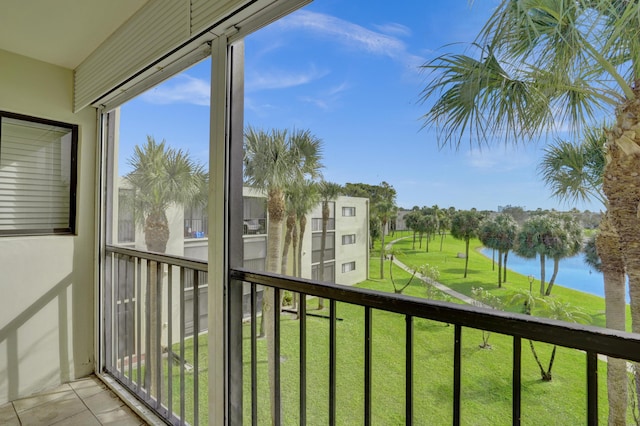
<point>196,228</point>
<point>148,347</point>
<point>593,341</point>
<point>254,226</point>
<point>153,310</point>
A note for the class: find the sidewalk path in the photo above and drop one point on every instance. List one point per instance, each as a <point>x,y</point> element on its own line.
<point>443,288</point>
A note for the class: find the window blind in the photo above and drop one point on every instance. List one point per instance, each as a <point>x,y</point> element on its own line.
<point>36,177</point>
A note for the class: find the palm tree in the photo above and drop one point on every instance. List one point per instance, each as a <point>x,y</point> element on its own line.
<point>303,206</point>
<point>328,191</point>
<point>499,233</point>
<point>566,244</point>
<point>464,226</point>
<point>411,220</point>
<point>385,210</point>
<point>272,162</point>
<point>161,177</point>
<point>550,65</point>
<point>538,237</point>
<point>574,172</point>
<point>444,223</point>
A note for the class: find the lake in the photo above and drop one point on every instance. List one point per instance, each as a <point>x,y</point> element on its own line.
<point>573,272</point>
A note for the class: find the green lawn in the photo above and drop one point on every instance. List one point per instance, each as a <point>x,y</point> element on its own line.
<point>486,373</point>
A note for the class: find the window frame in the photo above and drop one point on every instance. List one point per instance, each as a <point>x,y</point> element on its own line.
<point>350,209</point>
<point>73,176</point>
<point>348,267</point>
<point>348,239</point>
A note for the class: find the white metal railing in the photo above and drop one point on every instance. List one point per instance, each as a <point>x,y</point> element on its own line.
<point>155,309</point>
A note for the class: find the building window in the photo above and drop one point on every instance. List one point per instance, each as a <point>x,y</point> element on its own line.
<point>329,272</point>
<point>316,224</point>
<point>255,215</point>
<point>348,267</point>
<point>348,211</point>
<point>348,239</point>
<point>37,176</point>
<point>316,247</point>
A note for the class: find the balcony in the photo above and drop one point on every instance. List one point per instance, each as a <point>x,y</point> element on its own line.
<point>168,370</point>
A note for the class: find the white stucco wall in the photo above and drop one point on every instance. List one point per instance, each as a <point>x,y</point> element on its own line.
<point>358,252</point>
<point>47,283</point>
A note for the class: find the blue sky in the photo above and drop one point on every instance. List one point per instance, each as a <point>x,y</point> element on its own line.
<point>349,71</point>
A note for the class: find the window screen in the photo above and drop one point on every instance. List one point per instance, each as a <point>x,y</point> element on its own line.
<point>37,175</point>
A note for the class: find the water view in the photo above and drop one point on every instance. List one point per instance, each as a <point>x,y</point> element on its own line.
<point>573,272</point>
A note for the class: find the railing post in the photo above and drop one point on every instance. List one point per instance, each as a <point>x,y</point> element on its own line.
<point>457,349</point>
<point>592,388</point>
<point>516,380</point>
<point>302,312</point>
<point>409,370</point>
<point>367,366</point>
<point>332,362</point>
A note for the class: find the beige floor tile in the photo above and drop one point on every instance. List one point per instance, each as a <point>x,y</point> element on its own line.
<point>52,411</point>
<point>103,402</point>
<point>8,415</point>
<point>60,393</point>
<point>84,418</point>
<point>88,387</point>
<point>121,416</point>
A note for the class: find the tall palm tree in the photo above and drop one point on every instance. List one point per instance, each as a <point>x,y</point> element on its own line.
<point>574,172</point>
<point>303,206</point>
<point>465,225</point>
<point>272,162</point>
<point>385,210</point>
<point>546,65</point>
<point>538,237</point>
<point>566,244</point>
<point>327,191</point>
<point>499,233</point>
<point>161,177</point>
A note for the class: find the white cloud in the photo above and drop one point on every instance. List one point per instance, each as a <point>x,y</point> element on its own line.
<point>394,28</point>
<point>180,89</point>
<point>355,36</point>
<point>278,79</point>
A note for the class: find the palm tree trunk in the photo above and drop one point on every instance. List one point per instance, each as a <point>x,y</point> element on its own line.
<point>382,248</point>
<point>271,306</point>
<point>621,184</point>
<point>294,247</point>
<point>535,356</point>
<point>542,270</point>
<point>499,269</point>
<point>441,240</point>
<point>303,224</point>
<point>504,266</point>
<point>466,257</point>
<point>156,235</point>
<point>414,240</point>
<point>553,356</point>
<point>556,266</point>
<point>291,223</point>
<point>612,266</point>
<point>493,260</point>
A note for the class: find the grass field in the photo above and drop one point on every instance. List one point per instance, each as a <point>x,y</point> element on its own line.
<point>486,373</point>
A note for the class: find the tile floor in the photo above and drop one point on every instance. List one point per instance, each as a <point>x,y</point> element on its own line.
<point>84,402</point>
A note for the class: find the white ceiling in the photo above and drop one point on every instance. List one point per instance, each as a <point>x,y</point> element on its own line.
<point>61,32</point>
